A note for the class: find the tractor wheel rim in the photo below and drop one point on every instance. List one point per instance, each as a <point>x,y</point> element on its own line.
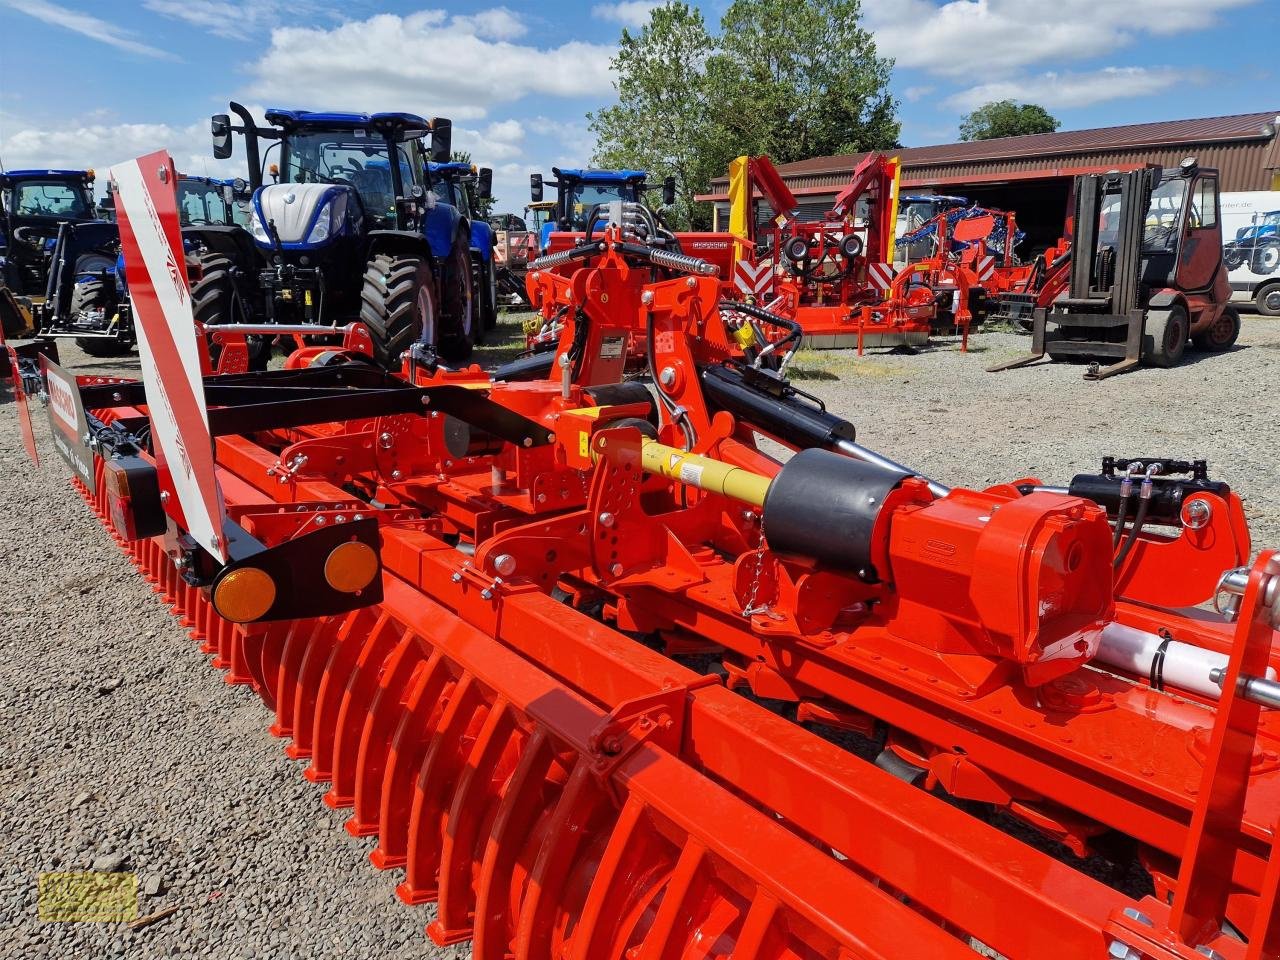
<point>1222,328</point>
<point>1272,299</point>
<point>427,316</point>
<point>1269,258</point>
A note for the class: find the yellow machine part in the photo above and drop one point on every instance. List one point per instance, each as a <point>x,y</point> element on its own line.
<point>896,163</point>
<point>15,315</point>
<point>739,204</point>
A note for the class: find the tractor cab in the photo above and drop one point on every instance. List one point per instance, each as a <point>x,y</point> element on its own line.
<point>33,205</point>
<point>580,192</point>
<point>207,201</point>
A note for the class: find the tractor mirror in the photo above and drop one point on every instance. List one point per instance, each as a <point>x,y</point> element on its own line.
<point>668,191</point>
<point>221,126</point>
<point>535,187</point>
<point>441,140</point>
<point>484,183</point>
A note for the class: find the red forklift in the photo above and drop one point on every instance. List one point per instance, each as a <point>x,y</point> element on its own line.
<point>1146,274</point>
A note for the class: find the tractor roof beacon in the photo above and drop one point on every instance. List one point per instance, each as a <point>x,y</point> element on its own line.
<point>465,186</point>
<point>351,226</point>
<point>33,203</point>
<point>579,191</point>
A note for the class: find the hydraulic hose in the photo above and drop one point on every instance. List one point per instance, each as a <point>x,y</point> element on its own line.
<point>1140,518</point>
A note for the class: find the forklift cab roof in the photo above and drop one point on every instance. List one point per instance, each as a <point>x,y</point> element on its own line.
<point>399,126</point>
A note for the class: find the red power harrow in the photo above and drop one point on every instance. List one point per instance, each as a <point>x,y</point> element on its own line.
<point>470,603</point>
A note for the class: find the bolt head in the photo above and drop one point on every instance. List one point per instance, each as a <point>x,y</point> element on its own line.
<point>505,564</point>
<point>691,282</point>
<point>646,297</point>
<point>320,521</point>
<point>164,496</point>
<point>396,475</point>
<point>616,570</point>
<point>486,594</point>
<point>1196,514</point>
<point>456,578</point>
<point>1122,951</point>
<point>1134,914</point>
<point>607,519</point>
<point>667,377</point>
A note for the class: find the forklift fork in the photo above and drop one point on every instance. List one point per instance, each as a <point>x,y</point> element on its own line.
<point>1037,345</point>
<point>1132,350</point>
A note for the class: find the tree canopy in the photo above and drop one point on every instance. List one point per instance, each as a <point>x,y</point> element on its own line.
<point>1005,118</point>
<point>792,80</point>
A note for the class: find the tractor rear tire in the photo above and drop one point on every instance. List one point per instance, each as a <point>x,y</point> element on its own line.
<point>1221,334</point>
<point>213,302</point>
<point>458,333</point>
<point>398,305</point>
<point>93,295</point>
<point>1165,341</point>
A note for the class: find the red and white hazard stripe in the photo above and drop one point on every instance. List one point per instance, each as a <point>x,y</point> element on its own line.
<point>752,279</point>
<point>984,267</point>
<point>146,205</point>
<point>880,275</point>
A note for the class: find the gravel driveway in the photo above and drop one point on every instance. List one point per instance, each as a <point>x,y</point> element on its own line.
<point>123,750</point>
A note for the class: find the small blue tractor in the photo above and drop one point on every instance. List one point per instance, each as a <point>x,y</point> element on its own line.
<point>36,206</point>
<point>88,294</point>
<point>579,192</point>
<point>351,228</point>
<point>1258,245</point>
<point>463,186</point>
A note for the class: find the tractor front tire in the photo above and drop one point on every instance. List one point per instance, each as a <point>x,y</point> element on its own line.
<point>213,302</point>
<point>1221,334</point>
<point>398,305</point>
<point>96,295</point>
<point>1266,258</point>
<point>1165,341</point>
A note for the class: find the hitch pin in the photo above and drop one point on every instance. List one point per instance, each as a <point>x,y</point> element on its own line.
<point>1259,690</point>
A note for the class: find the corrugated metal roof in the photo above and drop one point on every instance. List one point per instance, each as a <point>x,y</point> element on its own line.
<point>1012,153</point>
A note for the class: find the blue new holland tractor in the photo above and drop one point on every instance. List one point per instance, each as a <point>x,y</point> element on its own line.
<point>88,292</point>
<point>578,192</point>
<point>351,227</point>
<point>461,185</point>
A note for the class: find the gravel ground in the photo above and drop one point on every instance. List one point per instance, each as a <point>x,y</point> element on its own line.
<point>123,751</point>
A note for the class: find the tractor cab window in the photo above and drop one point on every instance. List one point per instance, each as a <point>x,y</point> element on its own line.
<point>537,217</point>
<point>200,204</point>
<point>353,158</point>
<point>452,193</point>
<point>51,198</point>
<point>582,197</point>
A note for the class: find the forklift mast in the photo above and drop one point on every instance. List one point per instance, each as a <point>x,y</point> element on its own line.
<point>1111,270</point>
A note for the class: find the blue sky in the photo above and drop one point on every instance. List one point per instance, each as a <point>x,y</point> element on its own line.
<point>88,83</point>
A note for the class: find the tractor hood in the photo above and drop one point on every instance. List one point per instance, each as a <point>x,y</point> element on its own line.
<point>304,215</point>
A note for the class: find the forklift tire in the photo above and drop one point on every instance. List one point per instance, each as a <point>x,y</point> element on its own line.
<point>1221,334</point>
<point>89,295</point>
<point>213,302</point>
<point>1165,341</point>
<point>461,320</point>
<point>398,305</point>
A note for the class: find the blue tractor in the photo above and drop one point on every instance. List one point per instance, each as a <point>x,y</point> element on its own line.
<point>34,205</point>
<point>1258,245</point>
<point>461,185</point>
<point>352,227</point>
<point>579,192</point>
<point>88,293</point>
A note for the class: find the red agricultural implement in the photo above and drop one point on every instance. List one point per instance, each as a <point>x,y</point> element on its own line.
<point>472,605</point>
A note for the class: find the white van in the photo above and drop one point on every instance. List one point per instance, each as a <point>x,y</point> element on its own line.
<point>1251,247</point>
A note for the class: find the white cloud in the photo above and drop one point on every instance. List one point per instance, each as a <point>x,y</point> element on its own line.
<point>94,141</point>
<point>912,94</point>
<point>964,38</point>
<point>496,24</point>
<point>629,13</point>
<point>87,25</point>
<point>1066,90</point>
<point>427,62</point>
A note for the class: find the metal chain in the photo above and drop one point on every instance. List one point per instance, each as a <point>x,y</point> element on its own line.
<point>749,609</point>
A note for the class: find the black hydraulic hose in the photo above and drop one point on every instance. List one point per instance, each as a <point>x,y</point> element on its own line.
<point>794,330</point>
<point>1139,519</point>
<point>1118,532</point>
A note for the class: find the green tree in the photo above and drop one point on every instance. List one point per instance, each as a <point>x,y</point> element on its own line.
<point>793,80</point>
<point>1005,118</point>
<point>661,122</point>
<point>799,80</point>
